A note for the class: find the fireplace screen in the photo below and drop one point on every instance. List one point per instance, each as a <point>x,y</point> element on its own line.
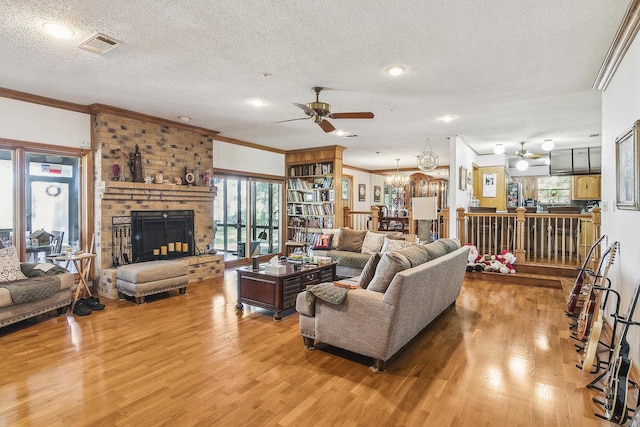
<point>161,234</point>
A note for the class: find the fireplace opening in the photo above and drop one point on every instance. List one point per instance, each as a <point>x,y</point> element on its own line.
<point>161,234</point>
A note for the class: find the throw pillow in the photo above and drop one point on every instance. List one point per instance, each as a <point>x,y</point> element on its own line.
<point>436,249</point>
<point>395,245</point>
<point>416,254</point>
<point>336,236</point>
<point>372,242</point>
<point>390,264</point>
<point>322,241</point>
<point>10,265</point>
<point>450,243</point>
<point>369,270</point>
<point>351,240</point>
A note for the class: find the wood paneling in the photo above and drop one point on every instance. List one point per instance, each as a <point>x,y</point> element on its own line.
<point>500,201</point>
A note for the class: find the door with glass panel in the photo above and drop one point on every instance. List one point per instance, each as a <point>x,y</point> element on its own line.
<point>246,217</point>
<point>6,195</point>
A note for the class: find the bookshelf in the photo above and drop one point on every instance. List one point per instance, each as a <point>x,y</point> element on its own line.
<point>313,196</point>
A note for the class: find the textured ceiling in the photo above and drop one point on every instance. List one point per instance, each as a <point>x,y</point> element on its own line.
<point>510,70</point>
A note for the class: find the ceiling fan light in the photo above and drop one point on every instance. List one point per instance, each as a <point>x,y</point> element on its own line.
<point>522,165</point>
<point>498,149</point>
<point>547,145</point>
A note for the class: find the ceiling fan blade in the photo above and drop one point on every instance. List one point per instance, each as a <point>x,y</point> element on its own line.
<point>290,120</point>
<point>326,126</point>
<point>306,109</point>
<point>360,115</point>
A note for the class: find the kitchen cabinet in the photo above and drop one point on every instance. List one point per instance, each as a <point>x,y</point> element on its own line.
<point>585,187</point>
<point>529,186</point>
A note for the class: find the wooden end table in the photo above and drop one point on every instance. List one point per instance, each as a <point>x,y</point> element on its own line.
<point>279,292</point>
<point>82,262</point>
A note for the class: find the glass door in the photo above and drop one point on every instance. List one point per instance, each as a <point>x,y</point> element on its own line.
<point>247,217</point>
<point>6,195</point>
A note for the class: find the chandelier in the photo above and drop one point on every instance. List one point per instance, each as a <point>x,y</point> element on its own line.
<point>427,160</point>
<point>397,180</point>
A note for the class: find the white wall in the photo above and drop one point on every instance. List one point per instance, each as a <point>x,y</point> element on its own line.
<point>620,109</point>
<point>24,121</point>
<point>465,157</point>
<point>368,179</point>
<point>247,159</point>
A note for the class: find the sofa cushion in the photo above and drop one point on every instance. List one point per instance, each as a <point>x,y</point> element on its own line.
<point>395,244</point>
<point>351,240</point>
<point>322,241</point>
<point>349,259</point>
<point>10,265</point>
<point>436,249</point>
<point>450,243</point>
<point>369,270</point>
<point>416,254</point>
<point>372,242</point>
<point>390,264</point>
<point>336,236</point>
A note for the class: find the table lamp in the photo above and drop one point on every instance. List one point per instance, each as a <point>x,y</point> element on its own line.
<point>425,209</point>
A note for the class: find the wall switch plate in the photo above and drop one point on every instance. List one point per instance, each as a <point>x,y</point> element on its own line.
<point>605,205</point>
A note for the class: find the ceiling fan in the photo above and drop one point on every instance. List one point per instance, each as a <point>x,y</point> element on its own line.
<point>320,111</point>
<point>523,153</point>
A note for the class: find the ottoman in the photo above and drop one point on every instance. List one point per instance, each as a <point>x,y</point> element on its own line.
<point>151,277</point>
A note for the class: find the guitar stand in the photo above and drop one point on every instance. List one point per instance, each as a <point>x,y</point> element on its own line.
<point>611,344</point>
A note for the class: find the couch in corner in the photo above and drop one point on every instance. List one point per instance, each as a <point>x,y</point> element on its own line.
<point>378,323</point>
<point>50,290</point>
<point>351,249</point>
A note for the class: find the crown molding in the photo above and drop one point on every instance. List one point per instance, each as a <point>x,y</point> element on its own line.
<point>43,100</point>
<point>621,42</point>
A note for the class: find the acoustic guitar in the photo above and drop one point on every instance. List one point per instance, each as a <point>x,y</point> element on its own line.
<point>617,383</point>
<point>583,271</point>
<point>585,318</point>
<point>598,319</point>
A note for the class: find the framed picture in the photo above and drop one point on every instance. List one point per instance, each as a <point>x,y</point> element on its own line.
<point>345,189</point>
<point>489,184</point>
<point>377,192</point>
<point>627,163</point>
<point>462,179</point>
<point>362,192</point>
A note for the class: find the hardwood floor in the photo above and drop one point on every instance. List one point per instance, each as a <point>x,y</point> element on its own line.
<point>501,357</point>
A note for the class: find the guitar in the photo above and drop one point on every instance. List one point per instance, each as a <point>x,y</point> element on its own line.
<point>596,326</point>
<point>635,421</point>
<point>585,318</point>
<point>574,295</point>
<point>618,372</point>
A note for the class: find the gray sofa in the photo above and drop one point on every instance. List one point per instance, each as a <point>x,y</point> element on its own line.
<point>59,284</point>
<point>378,324</point>
<point>349,256</point>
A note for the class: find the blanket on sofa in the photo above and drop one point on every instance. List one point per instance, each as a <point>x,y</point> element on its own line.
<point>326,292</point>
<point>33,289</point>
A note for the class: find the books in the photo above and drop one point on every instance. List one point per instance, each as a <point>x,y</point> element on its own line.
<point>346,284</point>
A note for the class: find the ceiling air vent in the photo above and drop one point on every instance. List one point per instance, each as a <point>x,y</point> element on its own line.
<point>99,43</point>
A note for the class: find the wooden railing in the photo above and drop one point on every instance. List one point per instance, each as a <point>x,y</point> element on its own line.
<point>532,237</point>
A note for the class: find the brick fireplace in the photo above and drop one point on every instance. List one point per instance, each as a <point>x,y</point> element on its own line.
<point>166,148</point>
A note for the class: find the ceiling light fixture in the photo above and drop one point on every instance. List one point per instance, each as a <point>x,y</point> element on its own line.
<point>498,149</point>
<point>58,30</point>
<point>522,165</point>
<point>184,118</point>
<point>395,70</point>
<point>257,102</point>
<point>447,118</point>
<point>398,180</point>
<point>427,160</point>
<point>340,132</point>
<point>547,145</point>
<point>547,161</point>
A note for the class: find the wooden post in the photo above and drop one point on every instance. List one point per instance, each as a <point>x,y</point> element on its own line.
<point>413,229</point>
<point>520,253</point>
<point>346,217</point>
<point>461,236</point>
<point>443,224</point>
<point>597,222</point>
<point>375,213</point>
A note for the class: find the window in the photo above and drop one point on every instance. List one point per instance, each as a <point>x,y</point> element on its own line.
<point>554,190</point>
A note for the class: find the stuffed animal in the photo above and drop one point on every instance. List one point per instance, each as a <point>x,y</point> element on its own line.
<point>474,262</point>
<point>502,263</point>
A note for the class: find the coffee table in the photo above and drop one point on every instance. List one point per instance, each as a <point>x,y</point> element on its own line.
<point>279,292</point>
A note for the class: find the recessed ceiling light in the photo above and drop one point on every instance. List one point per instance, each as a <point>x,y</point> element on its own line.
<point>257,102</point>
<point>58,30</point>
<point>498,149</point>
<point>340,132</point>
<point>447,118</point>
<point>395,70</point>
<point>184,118</point>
